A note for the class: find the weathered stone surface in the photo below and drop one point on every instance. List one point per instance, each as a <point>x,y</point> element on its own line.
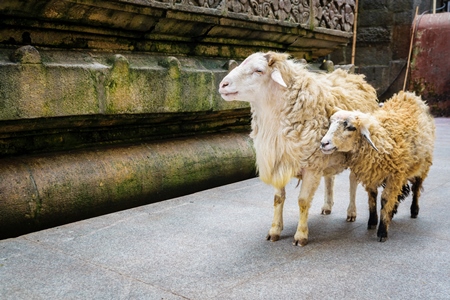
<point>46,190</point>
<point>373,4</point>
<point>36,90</point>
<point>38,135</point>
<point>374,35</point>
<point>26,55</point>
<point>376,18</point>
<point>110,84</point>
<point>230,29</point>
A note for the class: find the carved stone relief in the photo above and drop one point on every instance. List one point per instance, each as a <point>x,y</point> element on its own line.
<point>332,14</point>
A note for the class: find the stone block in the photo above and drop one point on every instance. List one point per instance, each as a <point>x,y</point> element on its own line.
<point>365,5</point>
<point>401,5</point>
<point>375,17</point>
<point>117,84</point>
<point>377,76</point>
<point>373,54</point>
<point>403,18</point>
<point>26,55</point>
<point>36,90</point>
<point>374,35</point>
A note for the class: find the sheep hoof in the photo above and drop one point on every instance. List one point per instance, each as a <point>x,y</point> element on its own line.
<point>351,218</point>
<point>326,211</point>
<point>414,212</point>
<point>272,238</point>
<point>382,233</point>
<point>301,242</point>
<point>373,221</point>
<point>382,239</point>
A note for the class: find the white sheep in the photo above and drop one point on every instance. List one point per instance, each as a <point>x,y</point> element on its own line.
<point>387,148</point>
<point>291,107</point>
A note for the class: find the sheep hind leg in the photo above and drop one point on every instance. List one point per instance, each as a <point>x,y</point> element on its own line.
<point>328,200</point>
<point>416,188</point>
<point>351,210</point>
<point>277,223</point>
<point>389,199</point>
<point>373,215</point>
<point>405,193</point>
<point>310,182</point>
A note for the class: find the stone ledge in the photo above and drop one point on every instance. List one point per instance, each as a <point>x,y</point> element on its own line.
<point>46,135</point>
<point>58,83</point>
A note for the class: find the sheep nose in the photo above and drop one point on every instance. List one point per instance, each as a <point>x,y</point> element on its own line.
<point>324,144</point>
<point>224,84</point>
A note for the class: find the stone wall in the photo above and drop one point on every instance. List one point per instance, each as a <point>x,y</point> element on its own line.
<point>140,96</point>
<point>106,105</point>
<point>383,38</point>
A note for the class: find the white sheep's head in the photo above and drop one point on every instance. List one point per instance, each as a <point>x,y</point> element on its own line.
<point>346,127</point>
<point>256,76</point>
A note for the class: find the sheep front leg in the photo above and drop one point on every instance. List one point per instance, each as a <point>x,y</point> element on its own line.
<point>277,223</point>
<point>328,200</point>
<point>351,210</point>
<point>310,182</point>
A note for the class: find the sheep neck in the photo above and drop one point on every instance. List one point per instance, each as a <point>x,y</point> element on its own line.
<point>283,147</point>
<point>364,158</point>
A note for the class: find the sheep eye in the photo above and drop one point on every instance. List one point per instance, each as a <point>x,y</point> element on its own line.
<point>258,71</point>
<point>347,127</point>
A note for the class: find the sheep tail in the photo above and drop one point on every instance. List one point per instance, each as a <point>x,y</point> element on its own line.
<point>406,189</point>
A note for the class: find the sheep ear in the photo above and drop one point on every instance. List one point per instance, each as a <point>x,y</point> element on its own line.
<point>276,76</point>
<point>270,58</point>
<point>366,134</point>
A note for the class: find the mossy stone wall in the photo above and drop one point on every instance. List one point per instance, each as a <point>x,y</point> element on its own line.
<point>39,191</point>
<point>108,104</point>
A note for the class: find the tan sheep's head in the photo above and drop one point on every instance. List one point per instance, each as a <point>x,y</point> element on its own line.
<point>345,131</point>
<point>257,76</point>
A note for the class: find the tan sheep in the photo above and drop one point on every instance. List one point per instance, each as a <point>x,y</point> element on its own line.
<point>387,147</point>
<point>291,107</point>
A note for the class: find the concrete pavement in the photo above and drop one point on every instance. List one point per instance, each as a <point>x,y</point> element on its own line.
<point>211,245</point>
